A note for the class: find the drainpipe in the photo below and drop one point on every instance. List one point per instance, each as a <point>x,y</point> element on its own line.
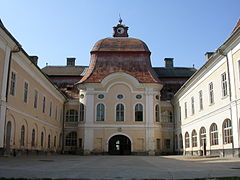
<point>220,51</point>
<point>63,120</point>
<point>18,49</point>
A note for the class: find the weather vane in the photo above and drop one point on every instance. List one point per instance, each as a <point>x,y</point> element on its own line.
<point>120,19</point>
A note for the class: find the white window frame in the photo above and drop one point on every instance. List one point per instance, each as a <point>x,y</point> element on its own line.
<point>35,100</point>
<point>124,111</point>
<point>200,100</point>
<point>185,110</point>
<point>192,104</point>
<point>224,84</point>
<point>25,91</point>
<point>135,112</point>
<point>13,84</point>
<point>211,93</point>
<point>102,119</point>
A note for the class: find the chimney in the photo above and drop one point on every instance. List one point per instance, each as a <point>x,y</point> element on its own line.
<point>34,59</point>
<point>208,55</point>
<point>71,61</point>
<point>168,62</point>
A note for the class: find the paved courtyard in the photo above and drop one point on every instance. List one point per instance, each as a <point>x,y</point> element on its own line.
<point>117,167</point>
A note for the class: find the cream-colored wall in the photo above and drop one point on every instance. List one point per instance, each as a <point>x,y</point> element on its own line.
<point>21,113</point>
<point>211,113</point>
<point>129,101</point>
<point>219,100</point>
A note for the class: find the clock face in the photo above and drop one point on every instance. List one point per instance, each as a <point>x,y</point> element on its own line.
<point>120,30</point>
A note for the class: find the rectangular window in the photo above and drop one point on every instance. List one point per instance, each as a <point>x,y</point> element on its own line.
<point>13,84</point>
<point>185,106</point>
<point>200,100</point>
<point>224,84</point>
<point>167,143</point>
<point>56,112</point>
<point>35,99</point>
<point>44,104</point>
<point>211,95</point>
<point>192,102</point>
<point>25,94</point>
<point>50,109</point>
<point>158,144</point>
<point>180,113</point>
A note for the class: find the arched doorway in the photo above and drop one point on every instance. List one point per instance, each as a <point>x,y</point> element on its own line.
<point>119,145</point>
<point>8,136</point>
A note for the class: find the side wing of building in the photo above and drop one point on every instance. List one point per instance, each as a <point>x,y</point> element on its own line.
<point>31,106</point>
<point>207,105</point>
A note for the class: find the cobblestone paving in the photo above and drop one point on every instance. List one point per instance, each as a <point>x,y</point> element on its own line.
<point>118,167</point>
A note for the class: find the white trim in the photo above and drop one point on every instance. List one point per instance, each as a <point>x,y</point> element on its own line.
<point>124,112</point>
<point>119,82</point>
<point>96,111</point>
<point>35,90</point>
<point>122,75</point>
<point>10,80</point>
<point>25,81</point>
<point>114,126</point>
<point>143,121</point>
<point>236,48</point>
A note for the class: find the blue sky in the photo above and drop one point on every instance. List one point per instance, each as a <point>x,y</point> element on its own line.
<point>183,29</point>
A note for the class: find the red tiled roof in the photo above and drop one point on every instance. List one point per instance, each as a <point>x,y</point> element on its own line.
<point>127,55</point>
<point>120,44</point>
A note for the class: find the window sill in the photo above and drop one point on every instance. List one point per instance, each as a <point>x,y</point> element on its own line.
<point>224,97</point>
<point>211,104</point>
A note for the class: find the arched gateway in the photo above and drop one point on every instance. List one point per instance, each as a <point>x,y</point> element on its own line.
<point>119,145</point>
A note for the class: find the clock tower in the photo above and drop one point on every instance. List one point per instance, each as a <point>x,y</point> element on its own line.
<point>120,30</point>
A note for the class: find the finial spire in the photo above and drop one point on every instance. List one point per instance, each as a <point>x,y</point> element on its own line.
<point>120,19</point>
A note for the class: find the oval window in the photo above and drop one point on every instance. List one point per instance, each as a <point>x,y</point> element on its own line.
<point>139,96</point>
<point>81,96</point>
<point>100,96</point>
<point>120,96</point>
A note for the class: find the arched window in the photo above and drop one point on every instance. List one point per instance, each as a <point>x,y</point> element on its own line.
<point>55,141</point>
<point>120,112</point>
<point>213,134</point>
<point>49,141</point>
<point>194,138</point>
<point>22,137</point>
<point>203,137</point>
<point>139,112</point>
<point>81,112</point>
<point>71,139</point>
<point>170,116</point>
<point>157,113</point>
<point>33,138</point>
<point>180,141</point>
<point>187,145</point>
<point>227,131</point>
<point>42,138</point>
<point>72,115</point>
<point>100,112</point>
<point>176,141</point>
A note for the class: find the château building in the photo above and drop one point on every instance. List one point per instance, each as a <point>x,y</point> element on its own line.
<point>119,104</point>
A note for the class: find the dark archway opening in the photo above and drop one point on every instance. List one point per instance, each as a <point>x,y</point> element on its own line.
<point>119,145</point>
